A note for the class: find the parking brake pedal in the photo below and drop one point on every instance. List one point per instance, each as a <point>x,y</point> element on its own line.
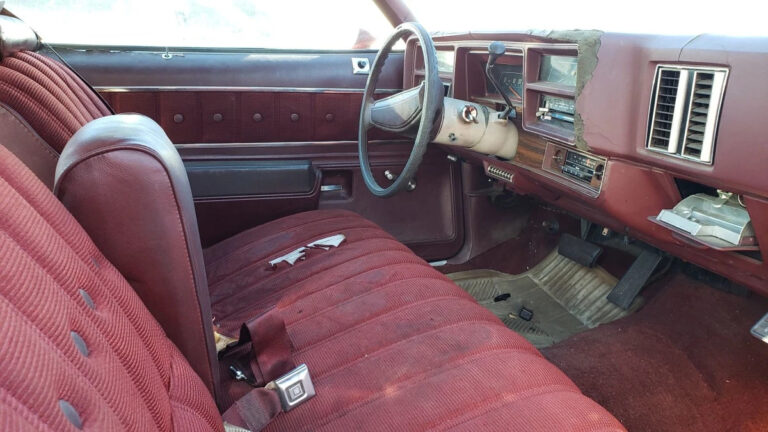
<point>629,286</point>
<point>581,251</point>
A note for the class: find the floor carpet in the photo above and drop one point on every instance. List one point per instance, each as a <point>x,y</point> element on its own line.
<point>685,362</point>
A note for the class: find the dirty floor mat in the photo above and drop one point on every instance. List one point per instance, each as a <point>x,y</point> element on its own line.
<point>560,297</point>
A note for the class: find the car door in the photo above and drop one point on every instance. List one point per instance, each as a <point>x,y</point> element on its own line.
<point>264,130</point>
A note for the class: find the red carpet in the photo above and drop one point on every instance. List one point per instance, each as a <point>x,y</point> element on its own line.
<point>685,362</point>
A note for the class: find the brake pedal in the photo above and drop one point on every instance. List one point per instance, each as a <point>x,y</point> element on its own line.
<point>581,251</point>
<point>629,286</point>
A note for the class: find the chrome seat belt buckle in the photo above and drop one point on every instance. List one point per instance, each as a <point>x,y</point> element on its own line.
<point>294,388</point>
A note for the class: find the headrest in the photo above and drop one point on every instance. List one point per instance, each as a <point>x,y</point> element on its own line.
<point>16,36</point>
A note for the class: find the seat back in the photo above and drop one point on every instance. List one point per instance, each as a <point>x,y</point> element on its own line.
<point>42,102</point>
<point>79,348</point>
<point>123,180</point>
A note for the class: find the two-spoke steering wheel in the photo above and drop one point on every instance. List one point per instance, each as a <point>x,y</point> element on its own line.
<point>411,112</point>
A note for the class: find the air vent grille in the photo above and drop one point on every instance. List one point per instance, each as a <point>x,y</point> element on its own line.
<point>684,111</point>
<point>666,95</point>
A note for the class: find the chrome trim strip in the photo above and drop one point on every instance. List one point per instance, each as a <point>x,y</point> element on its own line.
<point>129,89</point>
<point>283,144</point>
<point>721,73</point>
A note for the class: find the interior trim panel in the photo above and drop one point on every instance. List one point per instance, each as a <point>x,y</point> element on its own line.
<point>612,178</point>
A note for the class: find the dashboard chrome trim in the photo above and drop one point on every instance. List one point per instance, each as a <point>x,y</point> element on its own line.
<point>133,89</point>
<point>708,147</point>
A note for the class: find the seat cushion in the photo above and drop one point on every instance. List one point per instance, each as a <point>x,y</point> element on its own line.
<point>58,293</point>
<point>390,342</point>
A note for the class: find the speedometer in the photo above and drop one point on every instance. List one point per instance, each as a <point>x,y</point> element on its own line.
<point>511,79</point>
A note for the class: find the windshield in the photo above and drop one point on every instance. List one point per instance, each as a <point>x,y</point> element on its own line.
<point>735,17</point>
<point>287,24</point>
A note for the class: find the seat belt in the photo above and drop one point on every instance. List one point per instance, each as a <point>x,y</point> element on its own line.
<point>262,352</point>
<point>261,405</point>
<point>263,358</point>
<point>270,345</point>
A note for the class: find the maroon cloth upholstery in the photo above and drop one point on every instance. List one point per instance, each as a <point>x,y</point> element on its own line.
<point>54,281</point>
<point>391,343</point>
<point>125,183</point>
<point>49,96</point>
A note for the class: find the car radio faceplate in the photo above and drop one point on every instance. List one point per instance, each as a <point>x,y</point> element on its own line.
<point>583,169</point>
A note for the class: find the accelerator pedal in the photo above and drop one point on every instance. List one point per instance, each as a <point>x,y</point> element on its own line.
<point>581,251</point>
<point>629,286</point>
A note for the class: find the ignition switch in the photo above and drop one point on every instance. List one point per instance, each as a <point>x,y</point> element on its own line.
<point>468,113</point>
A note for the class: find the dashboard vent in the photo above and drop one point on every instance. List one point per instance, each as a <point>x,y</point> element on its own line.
<point>684,111</point>
<point>662,124</point>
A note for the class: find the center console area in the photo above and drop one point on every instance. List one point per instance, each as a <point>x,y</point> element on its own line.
<point>540,80</point>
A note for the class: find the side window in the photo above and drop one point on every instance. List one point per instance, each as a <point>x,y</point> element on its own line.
<point>280,24</point>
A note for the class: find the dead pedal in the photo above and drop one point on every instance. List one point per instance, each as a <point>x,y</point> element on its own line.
<point>629,286</point>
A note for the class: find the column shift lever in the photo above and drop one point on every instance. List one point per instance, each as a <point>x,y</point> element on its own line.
<point>495,51</point>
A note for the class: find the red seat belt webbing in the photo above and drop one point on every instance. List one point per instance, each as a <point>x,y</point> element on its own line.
<point>254,410</point>
<point>270,345</point>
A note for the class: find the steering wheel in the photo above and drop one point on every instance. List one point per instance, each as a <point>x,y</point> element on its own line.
<point>411,112</point>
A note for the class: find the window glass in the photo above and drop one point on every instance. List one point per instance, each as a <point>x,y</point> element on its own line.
<point>675,17</point>
<point>280,24</point>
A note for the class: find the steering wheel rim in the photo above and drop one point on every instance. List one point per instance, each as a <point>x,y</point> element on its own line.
<point>431,105</point>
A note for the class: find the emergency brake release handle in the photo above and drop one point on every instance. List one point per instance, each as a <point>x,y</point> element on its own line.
<point>495,51</point>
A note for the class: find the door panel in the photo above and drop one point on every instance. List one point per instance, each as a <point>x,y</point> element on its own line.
<point>225,110</point>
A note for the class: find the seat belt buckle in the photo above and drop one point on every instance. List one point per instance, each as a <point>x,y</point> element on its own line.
<point>294,388</point>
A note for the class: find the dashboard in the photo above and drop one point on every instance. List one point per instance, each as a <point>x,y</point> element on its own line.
<point>511,79</point>
<point>621,136</point>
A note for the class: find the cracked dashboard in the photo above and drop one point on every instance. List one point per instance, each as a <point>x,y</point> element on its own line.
<point>541,81</point>
<point>618,128</point>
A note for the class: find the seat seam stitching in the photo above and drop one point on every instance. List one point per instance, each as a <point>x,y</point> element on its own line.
<point>282,251</point>
<point>378,317</point>
<point>508,399</point>
<point>261,261</point>
<point>372,291</point>
<point>410,381</point>
<point>346,279</point>
<point>382,349</point>
<point>271,236</point>
<point>281,291</point>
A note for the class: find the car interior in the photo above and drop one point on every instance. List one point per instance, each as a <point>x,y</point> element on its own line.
<point>534,231</point>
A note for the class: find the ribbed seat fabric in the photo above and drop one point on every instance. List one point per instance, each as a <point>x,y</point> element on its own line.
<point>391,346</point>
<point>129,377</point>
<point>49,96</point>
<point>391,343</point>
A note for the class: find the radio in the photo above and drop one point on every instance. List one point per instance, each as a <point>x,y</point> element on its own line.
<point>579,167</point>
